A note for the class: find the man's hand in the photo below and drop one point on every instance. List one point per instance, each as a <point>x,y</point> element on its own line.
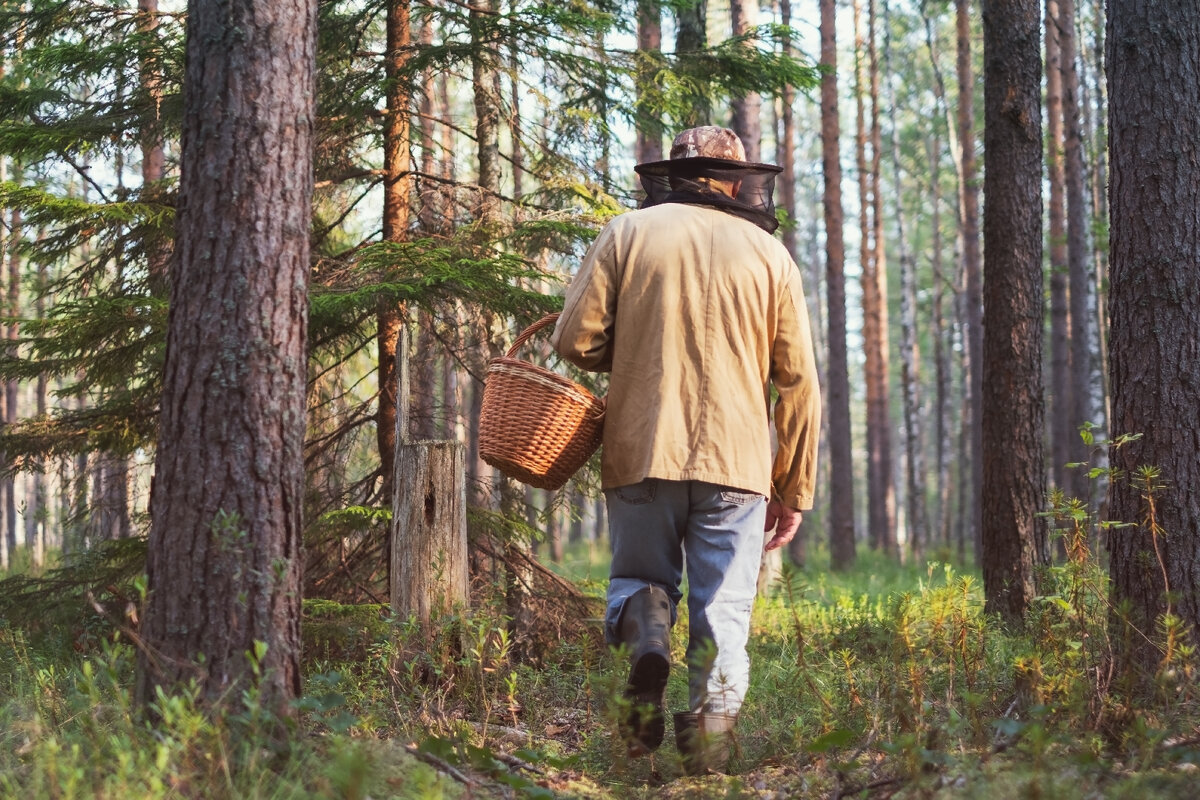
<point>785,521</point>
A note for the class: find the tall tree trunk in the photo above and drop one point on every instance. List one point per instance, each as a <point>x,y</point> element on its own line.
<point>910,356</point>
<point>747,108</point>
<point>866,232</point>
<point>881,488</point>
<point>973,267</point>
<point>941,334</point>
<point>5,547</point>
<point>397,183</point>
<point>41,504</point>
<point>1014,537</point>
<point>1097,134</point>
<point>224,552</point>
<point>787,140</point>
<point>648,146</point>
<point>941,352</point>
<point>841,480</point>
<point>1062,430</point>
<point>691,23</point>
<point>11,386</point>
<point>1080,277</point>
<point>1154,124</point>
<point>485,82</point>
<point>786,149</point>
<point>158,261</point>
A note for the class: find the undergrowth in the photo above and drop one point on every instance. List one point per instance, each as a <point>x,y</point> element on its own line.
<point>885,681</point>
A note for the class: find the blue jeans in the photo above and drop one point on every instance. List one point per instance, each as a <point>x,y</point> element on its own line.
<point>651,525</point>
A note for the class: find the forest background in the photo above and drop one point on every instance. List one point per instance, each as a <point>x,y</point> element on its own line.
<point>463,155</point>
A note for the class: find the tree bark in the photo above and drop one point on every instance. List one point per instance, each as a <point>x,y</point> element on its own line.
<point>12,332</point>
<point>648,146</point>
<point>1014,538</point>
<point>397,183</point>
<point>224,551</point>
<point>973,269</point>
<point>1061,428</point>
<point>485,82</point>
<point>841,481</point>
<point>1154,124</point>
<point>881,488</point>
<point>429,531</point>
<point>747,108</point>
<point>942,347</point>
<point>691,23</point>
<point>910,356</point>
<point>427,555</point>
<point>1079,278</point>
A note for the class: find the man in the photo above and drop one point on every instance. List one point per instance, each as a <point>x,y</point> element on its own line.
<point>696,310</point>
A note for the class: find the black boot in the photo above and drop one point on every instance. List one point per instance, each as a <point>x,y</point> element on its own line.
<point>645,627</point>
<point>704,740</point>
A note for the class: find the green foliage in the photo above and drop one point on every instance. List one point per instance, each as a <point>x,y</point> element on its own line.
<point>77,604</point>
<point>887,675</point>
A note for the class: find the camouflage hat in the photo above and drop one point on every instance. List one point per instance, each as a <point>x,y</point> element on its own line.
<point>708,141</point>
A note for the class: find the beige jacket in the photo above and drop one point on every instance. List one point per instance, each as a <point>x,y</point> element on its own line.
<point>696,313</point>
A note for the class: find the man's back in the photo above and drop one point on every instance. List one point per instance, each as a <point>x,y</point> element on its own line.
<point>698,303</point>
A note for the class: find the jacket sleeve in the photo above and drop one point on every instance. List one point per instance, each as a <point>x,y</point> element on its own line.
<point>798,410</point>
<point>584,331</point>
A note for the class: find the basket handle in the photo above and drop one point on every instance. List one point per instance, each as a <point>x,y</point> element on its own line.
<point>526,334</point>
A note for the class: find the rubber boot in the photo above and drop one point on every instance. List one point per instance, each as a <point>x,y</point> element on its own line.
<point>704,740</point>
<point>645,627</point>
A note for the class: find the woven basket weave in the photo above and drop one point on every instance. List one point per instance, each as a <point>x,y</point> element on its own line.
<point>536,426</point>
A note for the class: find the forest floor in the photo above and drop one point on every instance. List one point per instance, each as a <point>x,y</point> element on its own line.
<point>887,681</point>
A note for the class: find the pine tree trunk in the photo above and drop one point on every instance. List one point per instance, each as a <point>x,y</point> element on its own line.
<point>11,386</point>
<point>158,261</point>
<point>941,350</point>
<point>787,142</point>
<point>648,146</point>
<point>841,481</point>
<point>787,194</point>
<point>1097,134</point>
<point>1062,431</point>
<point>41,503</point>
<point>5,547</point>
<point>866,235</point>
<point>397,182</point>
<point>485,82</point>
<point>973,268</point>
<point>224,555</point>
<point>747,108</point>
<point>881,488</point>
<point>1154,124</point>
<point>1014,537</point>
<point>910,378</point>
<point>691,23</point>
<point>1080,277</point>
<point>941,334</point>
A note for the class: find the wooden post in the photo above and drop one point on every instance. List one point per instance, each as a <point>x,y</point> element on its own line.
<point>429,516</point>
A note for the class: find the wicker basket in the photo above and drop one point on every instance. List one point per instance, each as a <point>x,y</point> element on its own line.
<point>536,426</point>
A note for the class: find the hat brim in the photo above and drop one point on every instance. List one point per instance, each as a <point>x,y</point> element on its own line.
<point>694,166</point>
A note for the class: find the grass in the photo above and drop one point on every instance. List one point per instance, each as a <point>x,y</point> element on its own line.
<point>886,681</point>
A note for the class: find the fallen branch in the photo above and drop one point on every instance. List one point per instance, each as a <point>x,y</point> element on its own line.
<point>439,764</point>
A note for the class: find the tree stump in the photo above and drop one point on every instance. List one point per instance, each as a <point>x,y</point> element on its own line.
<point>429,530</point>
<point>428,556</point>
